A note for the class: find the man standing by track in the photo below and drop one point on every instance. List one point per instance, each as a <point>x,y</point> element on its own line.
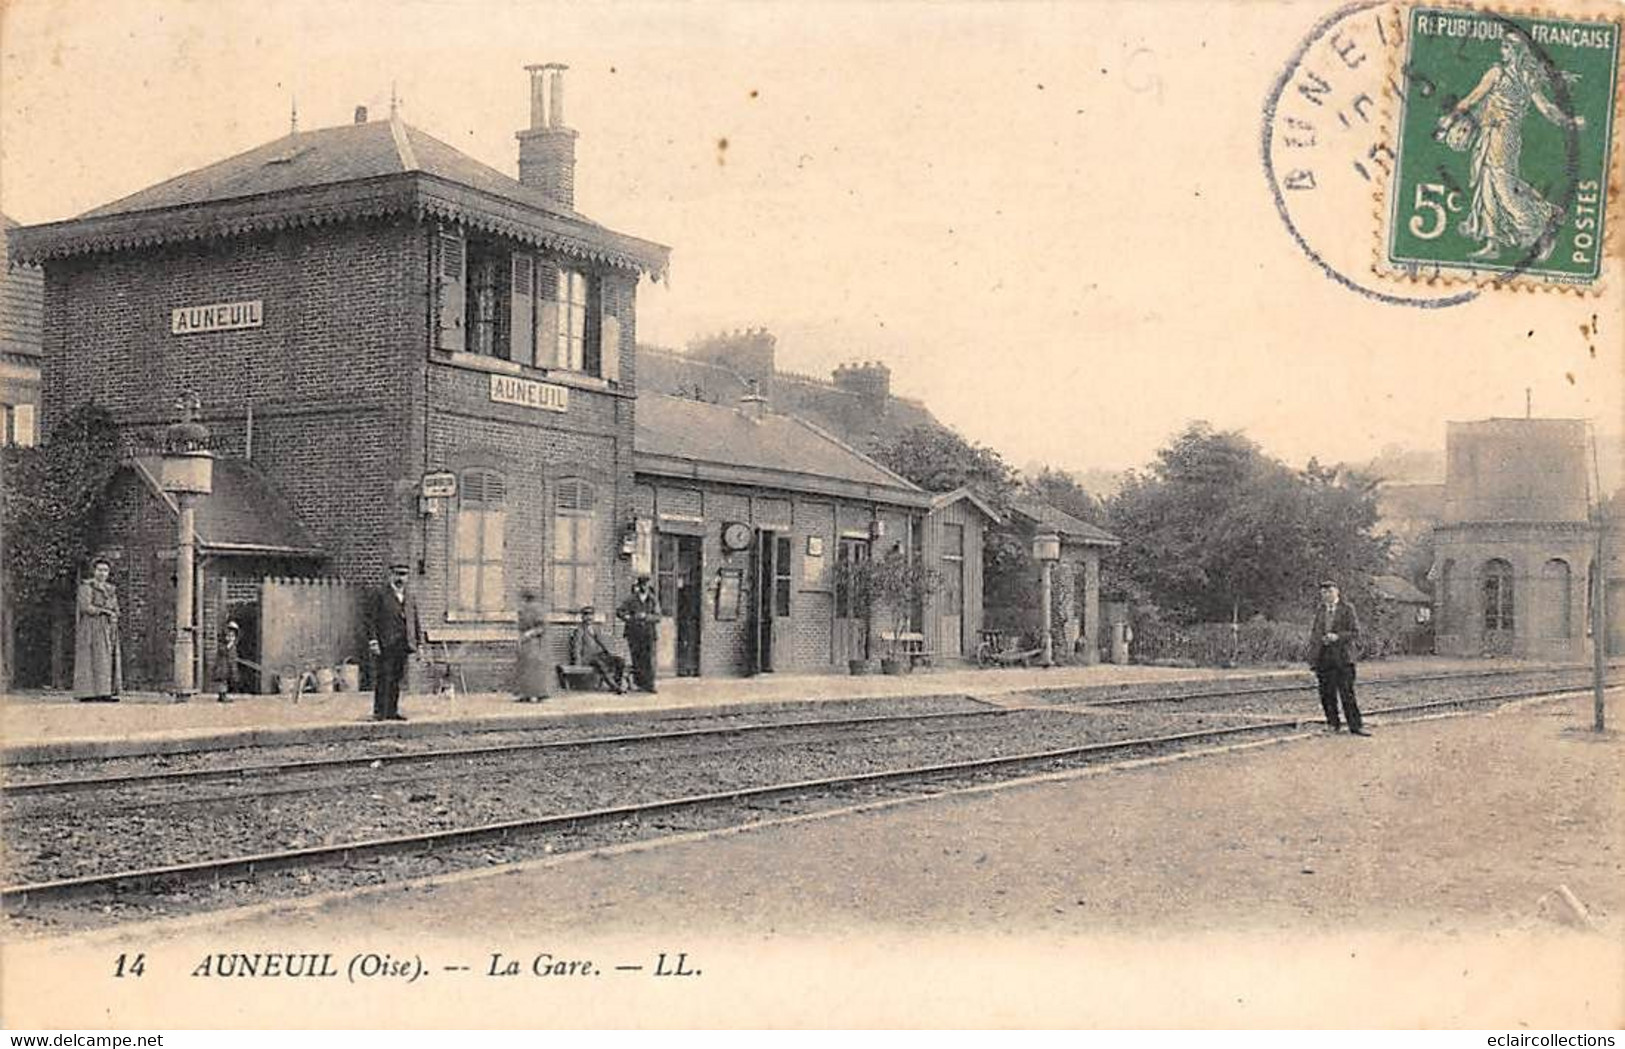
<point>392,634</point>
<point>1332,649</point>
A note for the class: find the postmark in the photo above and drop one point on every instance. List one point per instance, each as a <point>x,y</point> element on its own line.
<point>1503,149</point>
<point>1325,149</point>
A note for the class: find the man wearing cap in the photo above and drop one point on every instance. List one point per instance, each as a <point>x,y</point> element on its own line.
<point>1332,646</point>
<point>392,634</point>
<point>641,614</point>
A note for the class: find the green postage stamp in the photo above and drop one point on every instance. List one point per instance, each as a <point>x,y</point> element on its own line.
<point>1504,147</point>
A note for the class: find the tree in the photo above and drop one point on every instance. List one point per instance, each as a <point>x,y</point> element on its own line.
<point>1214,529</point>
<point>939,460</point>
<point>1061,490</point>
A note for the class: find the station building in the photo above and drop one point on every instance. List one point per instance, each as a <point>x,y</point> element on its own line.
<point>402,354</point>
<point>419,357</point>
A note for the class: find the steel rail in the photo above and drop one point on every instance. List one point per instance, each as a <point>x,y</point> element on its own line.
<point>452,753</point>
<point>15,897</point>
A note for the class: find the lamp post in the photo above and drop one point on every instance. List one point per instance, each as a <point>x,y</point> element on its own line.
<point>188,472</point>
<point>1047,551</point>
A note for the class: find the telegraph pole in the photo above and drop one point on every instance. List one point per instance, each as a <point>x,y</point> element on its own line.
<point>1599,599</point>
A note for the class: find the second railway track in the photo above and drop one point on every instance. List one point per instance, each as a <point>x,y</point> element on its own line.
<point>584,827</point>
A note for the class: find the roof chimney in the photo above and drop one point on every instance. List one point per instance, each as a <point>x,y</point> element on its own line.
<point>753,404</point>
<point>360,114</point>
<point>547,149</point>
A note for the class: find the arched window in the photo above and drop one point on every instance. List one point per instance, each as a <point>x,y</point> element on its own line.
<point>575,530</point>
<point>1498,598</point>
<point>478,538</point>
<point>1554,585</point>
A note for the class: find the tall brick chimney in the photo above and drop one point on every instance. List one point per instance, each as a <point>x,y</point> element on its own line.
<point>547,149</point>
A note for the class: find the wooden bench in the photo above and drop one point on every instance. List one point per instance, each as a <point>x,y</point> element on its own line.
<point>910,645</point>
<point>578,677</point>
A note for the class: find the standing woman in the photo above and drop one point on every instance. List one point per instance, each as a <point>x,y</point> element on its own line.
<point>98,672</point>
<point>530,676</point>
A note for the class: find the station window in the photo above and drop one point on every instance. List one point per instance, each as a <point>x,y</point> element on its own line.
<point>489,302</point>
<point>1498,604</point>
<point>575,564</point>
<point>781,575</point>
<point>17,425</point>
<point>478,556</point>
<point>575,295</point>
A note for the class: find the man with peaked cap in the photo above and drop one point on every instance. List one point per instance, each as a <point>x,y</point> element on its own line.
<point>641,614</point>
<point>393,632</point>
<point>1333,646</point>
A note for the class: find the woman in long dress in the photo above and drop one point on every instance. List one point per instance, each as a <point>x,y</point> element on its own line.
<point>531,674</point>
<point>1506,211</point>
<point>98,671</point>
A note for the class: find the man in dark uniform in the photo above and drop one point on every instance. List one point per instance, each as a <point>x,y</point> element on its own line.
<point>641,614</point>
<point>1332,648</point>
<point>392,634</point>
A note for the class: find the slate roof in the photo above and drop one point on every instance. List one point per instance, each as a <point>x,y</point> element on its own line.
<point>1070,528</point>
<point>336,174</point>
<point>22,302</point>
<point>244,514</point>
<point>842,412</point>
<point>688,438</point>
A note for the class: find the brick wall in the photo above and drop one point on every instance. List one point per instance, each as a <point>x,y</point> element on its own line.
<point>332,374</point>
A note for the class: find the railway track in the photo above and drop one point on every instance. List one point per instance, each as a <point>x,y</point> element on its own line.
<point>155,881</point>
<point>378,758</point>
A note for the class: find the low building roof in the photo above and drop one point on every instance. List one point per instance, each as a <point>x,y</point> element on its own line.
<point>709,442</point>
<point>244,514</point>
<point>335,174</point>
<point>1400,589</point>
<point>1070,528</point>
<point>969,495</point>
<point>22,302</point>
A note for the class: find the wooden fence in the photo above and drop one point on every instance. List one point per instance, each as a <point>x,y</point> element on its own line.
<point>309,623</point>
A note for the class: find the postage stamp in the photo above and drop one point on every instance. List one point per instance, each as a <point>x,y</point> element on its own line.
<point>1504,144</point>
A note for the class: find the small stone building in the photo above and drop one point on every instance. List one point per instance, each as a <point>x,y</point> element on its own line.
<point>1516,542</point>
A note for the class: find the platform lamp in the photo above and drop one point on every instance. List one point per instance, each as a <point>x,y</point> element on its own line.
<point>1047,551</point>
<point>187,473</point>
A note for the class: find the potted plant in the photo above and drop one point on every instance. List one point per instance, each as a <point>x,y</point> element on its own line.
<point>897,585</point>
<point>854,591</point>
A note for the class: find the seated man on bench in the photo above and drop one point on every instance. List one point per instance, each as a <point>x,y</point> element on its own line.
<point>587,649</point>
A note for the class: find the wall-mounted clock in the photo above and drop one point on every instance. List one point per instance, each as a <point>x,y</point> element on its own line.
<point>736,536</point>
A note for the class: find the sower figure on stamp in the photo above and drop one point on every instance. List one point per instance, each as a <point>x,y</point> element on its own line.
<point>1332,648</point>
<point>641,614</point>
<point>392,634</point>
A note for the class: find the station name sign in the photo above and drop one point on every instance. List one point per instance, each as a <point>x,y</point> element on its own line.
<point>505,389</point>
<point>221,316</point>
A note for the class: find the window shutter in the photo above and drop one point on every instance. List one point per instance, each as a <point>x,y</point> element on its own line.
<point>23,423</point>
<point>609,353</point>
<point>547,316</point>
<point>451,282</point>
<point>522,333</point>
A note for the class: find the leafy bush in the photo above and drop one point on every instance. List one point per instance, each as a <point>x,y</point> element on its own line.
<point>1259,641</point>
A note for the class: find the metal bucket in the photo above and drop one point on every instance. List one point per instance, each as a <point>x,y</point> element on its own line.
<point>349,677</point>
<point>324,679</point>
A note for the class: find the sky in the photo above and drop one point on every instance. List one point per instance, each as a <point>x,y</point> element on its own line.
<point>1050,220</point>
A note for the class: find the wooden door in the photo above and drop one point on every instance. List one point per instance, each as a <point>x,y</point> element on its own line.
<point>851,633</point>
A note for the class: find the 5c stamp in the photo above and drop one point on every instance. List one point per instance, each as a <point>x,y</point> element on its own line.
<point>1504,148</point>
